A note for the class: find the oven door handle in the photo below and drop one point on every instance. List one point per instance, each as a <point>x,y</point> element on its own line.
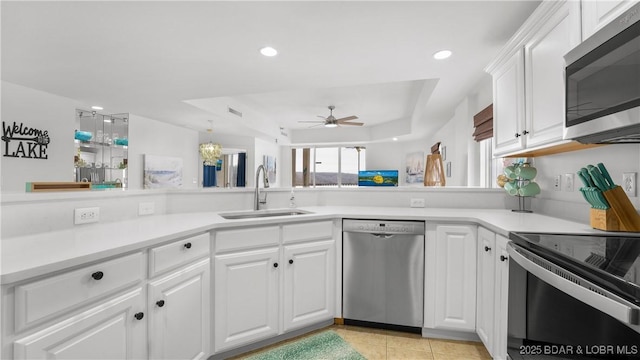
<point>579,288</point>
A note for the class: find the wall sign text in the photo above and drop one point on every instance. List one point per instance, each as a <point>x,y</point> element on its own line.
<point>24,142</point>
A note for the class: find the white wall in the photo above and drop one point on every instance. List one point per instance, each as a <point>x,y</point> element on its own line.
<point>265,148</point>
<point>56,114</point>
<point>147,136</point>
<point>42,111</point>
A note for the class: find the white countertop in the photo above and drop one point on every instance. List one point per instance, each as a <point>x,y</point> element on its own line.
<point>29,256</point>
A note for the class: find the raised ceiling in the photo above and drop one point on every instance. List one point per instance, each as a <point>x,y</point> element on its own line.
<point>186,62</point>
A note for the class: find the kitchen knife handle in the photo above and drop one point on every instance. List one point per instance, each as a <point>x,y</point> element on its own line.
<point>598,179</point>
<point>606,175</point>
<point>585,174</point>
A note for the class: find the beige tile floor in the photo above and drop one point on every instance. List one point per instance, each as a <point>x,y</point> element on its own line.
<point>377,344</point>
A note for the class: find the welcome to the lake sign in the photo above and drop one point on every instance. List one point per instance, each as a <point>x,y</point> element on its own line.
<point>21,141</point>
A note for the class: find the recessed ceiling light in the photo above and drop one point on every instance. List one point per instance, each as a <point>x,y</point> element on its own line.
<point>442,54</point>
<point>268,51</point>
<point>395,139</point>
<point>97,108</point>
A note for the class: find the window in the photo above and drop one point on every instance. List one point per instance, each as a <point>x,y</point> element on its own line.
<point>327,166</point>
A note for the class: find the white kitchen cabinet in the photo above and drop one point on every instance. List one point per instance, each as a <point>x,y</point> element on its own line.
<point>309,283</point>
<point>486,288</point>
<point>501,298</point>
<point>115,329</point>
<point>544,74</point>
<point>508,105</point>
<point>246,297</point>
<point>493,288</point>
<point>179,313</point>
<point>272,279</point>
<point>598,13</point>
<point>450,285</point>
<point>528,79</point>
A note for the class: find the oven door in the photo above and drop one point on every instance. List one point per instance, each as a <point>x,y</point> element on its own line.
<point>554,314</point>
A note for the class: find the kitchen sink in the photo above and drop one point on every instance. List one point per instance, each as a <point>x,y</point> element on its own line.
<point>262,213</point>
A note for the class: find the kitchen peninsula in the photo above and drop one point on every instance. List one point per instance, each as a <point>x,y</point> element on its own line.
<point>191,248</point>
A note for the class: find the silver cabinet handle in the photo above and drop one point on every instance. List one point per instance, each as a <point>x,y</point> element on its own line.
<point>577,287</point>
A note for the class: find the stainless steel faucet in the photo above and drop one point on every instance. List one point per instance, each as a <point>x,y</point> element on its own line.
<point>265,180</point>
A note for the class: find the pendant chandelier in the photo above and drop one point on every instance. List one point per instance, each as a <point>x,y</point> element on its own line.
<point>210,152</point>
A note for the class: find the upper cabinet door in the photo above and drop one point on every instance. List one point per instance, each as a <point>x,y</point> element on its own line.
<point>508,105</point>
<point>544,77</point>
<point>598,13</point>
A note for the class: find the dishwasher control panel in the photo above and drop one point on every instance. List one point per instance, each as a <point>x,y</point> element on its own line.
<point>383,226</point>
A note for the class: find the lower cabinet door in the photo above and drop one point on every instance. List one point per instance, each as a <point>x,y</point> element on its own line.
<point>502,298</point>
<point>246,297</point>
<point>309,283</point>
<point>450,288</point>
<point>179,314</point>
<point>486,287</point>
<point>115,329</point>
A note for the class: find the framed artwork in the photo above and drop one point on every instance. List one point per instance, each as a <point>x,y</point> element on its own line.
<point>378,178</point>
<point>162,172</point>
<point>414,168</point>
<point>269,163</point>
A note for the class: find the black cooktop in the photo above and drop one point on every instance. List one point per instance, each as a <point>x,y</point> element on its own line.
<point>612,261</point>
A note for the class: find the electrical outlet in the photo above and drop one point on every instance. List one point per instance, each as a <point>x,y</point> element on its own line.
<point>568,182</point>
<point>417,203</point>
<point>557,183</point>
<point>86,215</point>
<point>146,208</point>
<point>629,183</point>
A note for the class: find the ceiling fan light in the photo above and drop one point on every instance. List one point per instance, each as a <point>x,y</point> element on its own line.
<point>330,125</point>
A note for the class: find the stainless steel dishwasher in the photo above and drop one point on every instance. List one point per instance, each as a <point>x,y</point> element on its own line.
<point>383,273</point>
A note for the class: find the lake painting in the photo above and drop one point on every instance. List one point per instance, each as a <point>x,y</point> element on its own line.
<point>162,172</point>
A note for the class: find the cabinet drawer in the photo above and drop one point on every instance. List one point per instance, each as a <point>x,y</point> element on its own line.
<point>41,299</point>
<point>178,253</point>
<point>307,231</point>
<point>246,238</point>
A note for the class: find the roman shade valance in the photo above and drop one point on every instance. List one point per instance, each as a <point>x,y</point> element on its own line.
<point>483,123</point>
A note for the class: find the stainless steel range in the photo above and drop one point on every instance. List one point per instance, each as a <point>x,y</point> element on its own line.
<point>574,296</point>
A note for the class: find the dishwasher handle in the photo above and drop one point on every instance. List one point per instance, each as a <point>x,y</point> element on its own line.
<point>383,236</point>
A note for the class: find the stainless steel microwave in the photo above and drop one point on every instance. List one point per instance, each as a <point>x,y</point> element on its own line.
<point>602,84</point>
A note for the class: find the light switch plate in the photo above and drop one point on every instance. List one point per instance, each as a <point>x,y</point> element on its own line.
<point>146,208</point>
<point>629,183</point>
<point>557,183</point>
<point>417,203</point>
<point>568,182</point>
<point>86,215</point>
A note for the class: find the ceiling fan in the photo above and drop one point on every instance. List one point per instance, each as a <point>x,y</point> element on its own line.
<point>331,121</point>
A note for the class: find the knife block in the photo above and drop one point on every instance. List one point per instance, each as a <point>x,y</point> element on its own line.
<point>627,215</point>
<point>604,220</point>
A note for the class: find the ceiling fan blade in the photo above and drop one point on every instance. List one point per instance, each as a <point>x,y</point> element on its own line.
<point>350,123</point>
<point>352,117</point>
<point>321,117</point>
<point>311,121</point>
